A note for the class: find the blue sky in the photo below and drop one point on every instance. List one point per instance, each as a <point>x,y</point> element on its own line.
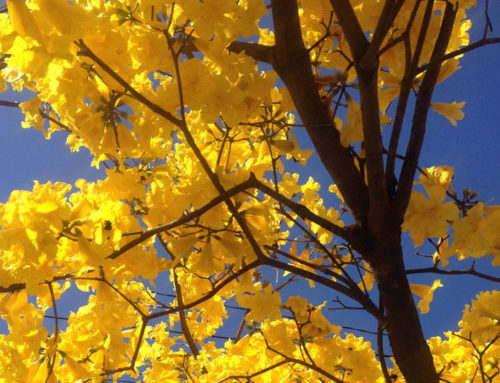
<point>471,148</point>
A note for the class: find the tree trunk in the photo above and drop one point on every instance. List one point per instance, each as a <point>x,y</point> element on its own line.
<point>406,338</point>
<point>377,220</point>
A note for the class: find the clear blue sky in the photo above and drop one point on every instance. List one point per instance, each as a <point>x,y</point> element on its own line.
<point>471,148</point>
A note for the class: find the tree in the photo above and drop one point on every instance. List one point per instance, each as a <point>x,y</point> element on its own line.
<point>193,108</point>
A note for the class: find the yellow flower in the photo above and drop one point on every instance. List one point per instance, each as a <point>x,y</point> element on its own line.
<point>426,293</point>
<point>437,176</point>
<point>68,19</point>
<point>468,235</point>
<point>427,218</point>
<point>75,370</point>
<point>451,111</point>
<point>3,85</point>
<point>33,117</point>
<point>204,262</point>
<point>22,19</point>
<point>265,302</point>
<point>353,130</point>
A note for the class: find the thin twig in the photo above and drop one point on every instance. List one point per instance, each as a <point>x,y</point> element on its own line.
<point>458,52</point>
<point>380,347</point>
<point>182,317</point>
<point>471,271</point>
<point>56,331</point>
<point>12,104</point>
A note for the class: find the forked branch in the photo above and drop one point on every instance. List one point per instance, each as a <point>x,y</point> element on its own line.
<point>422,106</point>
<point>292,62</point>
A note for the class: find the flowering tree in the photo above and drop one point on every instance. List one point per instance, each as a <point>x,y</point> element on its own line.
<point>192,106</point>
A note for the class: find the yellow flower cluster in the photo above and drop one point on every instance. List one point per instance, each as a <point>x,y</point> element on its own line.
<point>181,119</point>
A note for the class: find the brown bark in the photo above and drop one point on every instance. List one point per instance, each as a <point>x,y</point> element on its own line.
<point>378,218</point>
<point>292,63</point>
<point>411,65</point>
<point>422,106</point>
<point>406,337</point>
<point>403,323</point>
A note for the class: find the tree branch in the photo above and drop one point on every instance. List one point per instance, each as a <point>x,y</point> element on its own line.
<point>406,86</point>
<point>209,294</point>
<point>306,214</point>
<point>303,363</point>
<point>337,263</point>
<point>321,268</point>
<point>380,347</point>
<point>259,52</point>
<point>386,19</point>
<point>263,53</point>
<point>292,63</point>
<point>114,288</point>
<point>249,377</point>
<point>351,28</point>
<point>86,52</point>
<point>458,52</point>
<point>56,331</point>
<point>131,366</point>
<point>214,179</point>
<point>20,286</point>
<point>182,318</point>
<point>11,104</point>
<point>380,350</point>
<point>301,210</point>
<point>185,218</point>
<point>422,106</point>
<point>471,271</point>
<point>12,288</point>
<point>357,296</point>
<point>372,142</point>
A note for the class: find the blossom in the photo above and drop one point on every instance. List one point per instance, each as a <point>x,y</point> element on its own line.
<point>426,293</point>
<point>451,111</point>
